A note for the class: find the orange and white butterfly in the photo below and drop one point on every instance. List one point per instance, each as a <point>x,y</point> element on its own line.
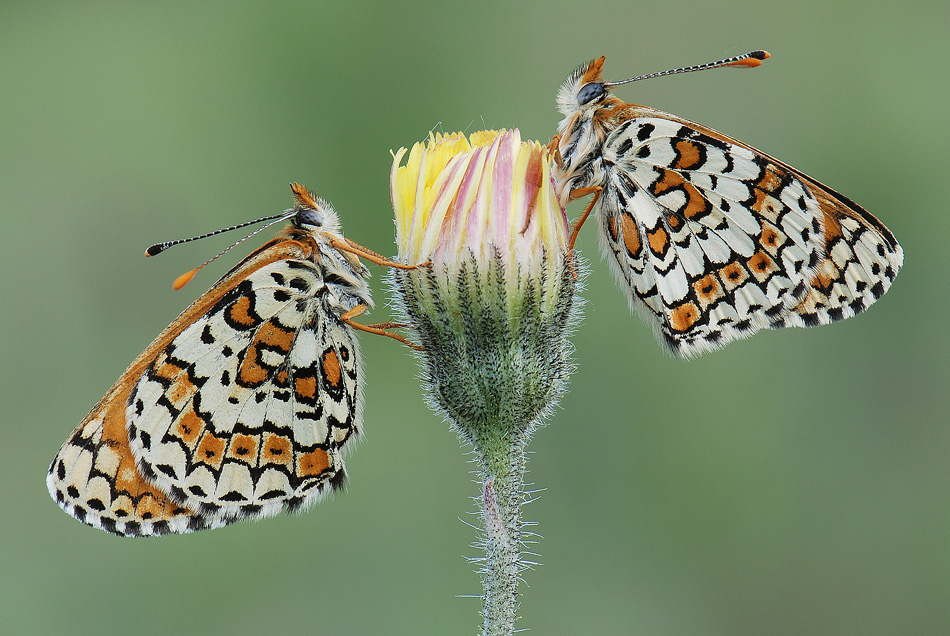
<point>713,239</point>
<point>243,406</point>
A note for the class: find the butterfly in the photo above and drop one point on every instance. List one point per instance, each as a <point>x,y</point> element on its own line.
<point>712,239</point>
<point>243,406</point>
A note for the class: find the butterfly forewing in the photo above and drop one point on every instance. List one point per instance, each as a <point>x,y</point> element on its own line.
<point>712,239</point>
<point>724,235</point>
<point>246,411</point>
<point>241,408</point>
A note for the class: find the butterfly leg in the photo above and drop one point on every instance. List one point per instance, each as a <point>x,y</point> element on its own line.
<point>577,194</point>
<point>388,325</point>
<point>554,148</point>
<point>347,245</point>
<point>379,330</point>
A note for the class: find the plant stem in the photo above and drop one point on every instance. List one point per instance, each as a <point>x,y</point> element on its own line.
<point>502,474</point>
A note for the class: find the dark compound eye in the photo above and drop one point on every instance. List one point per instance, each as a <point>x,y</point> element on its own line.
<point>590,92</point>
<point>308,217</point>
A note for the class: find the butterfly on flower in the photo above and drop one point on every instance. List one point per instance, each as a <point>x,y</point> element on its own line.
<point>712,239</point>
<point>243,406</point>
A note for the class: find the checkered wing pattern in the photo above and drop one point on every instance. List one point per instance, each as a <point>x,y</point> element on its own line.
<point>245,412</point>
<point>715,240</point>
<point>240,409</point>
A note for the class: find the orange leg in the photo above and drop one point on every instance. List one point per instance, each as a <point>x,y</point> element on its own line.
<point>388,325</point>
<point>577,194</point>
<point>379,330</point>
<point>347,245</point>
<point>555,148</point>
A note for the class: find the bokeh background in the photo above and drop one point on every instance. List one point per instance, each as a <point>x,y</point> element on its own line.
<point>794,483</point>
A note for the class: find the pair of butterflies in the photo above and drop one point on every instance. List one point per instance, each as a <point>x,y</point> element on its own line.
<point>243,406</point>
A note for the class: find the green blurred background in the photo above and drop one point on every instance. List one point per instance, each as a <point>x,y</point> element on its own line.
<point>794,483</point>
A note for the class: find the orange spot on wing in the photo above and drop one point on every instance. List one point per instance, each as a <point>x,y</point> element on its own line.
<point>733,275</point>
<point>277,450</point>
<point>127,477</point>
<point>239,312</point>
<point>658,240</point>
<point>707,289</point>
<point>210,450</point>
<point>244,448</point>
<point>189,427</point>
<point>631,234</point>
<point>251,373</point>
<point>771,181</point>
<point>832,228</point>
<point>696,203</point>
<point>167,370</point>
<point>667,181</point>
<point>766,205</point>
<point>181,390</point>
<point>331,368</point>
<point>313,463</point>
<point>690,156</point>
<point>684,316</point>
<point>150,507</point>
<point>272,334</point>
<point>306,386</point>
<point>761,265</point>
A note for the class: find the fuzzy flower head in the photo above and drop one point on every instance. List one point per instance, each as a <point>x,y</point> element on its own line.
<point>482,196</point>
<point>492,310</point>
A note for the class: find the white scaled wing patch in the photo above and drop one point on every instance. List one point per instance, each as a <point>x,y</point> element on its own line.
<point>714,240</point>
<point>246,412</point>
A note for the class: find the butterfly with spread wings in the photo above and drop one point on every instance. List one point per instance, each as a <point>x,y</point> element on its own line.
<point>712,239</point>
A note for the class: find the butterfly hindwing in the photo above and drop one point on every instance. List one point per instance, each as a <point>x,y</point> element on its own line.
<point>861,260</point>
<point>94,478</point>
<point>715,240</point>
<point>245,412</point>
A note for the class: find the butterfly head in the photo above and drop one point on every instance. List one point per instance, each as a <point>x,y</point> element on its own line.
<point>584,89</point>
<point>312,213</point>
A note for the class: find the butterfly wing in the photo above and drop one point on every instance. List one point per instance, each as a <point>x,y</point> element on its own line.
<point>715,240</point>
<point>239,409</point>
<point>94,478</point>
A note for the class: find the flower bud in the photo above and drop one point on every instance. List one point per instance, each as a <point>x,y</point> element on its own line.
<point>493,310</point>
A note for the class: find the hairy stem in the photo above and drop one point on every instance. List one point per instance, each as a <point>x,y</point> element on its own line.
<point>502,474</point>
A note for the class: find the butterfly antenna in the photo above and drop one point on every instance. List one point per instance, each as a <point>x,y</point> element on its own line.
<point>182,280</point>
<point>747,60</point>
<point>158,248</point>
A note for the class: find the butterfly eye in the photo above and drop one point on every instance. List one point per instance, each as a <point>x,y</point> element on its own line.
<point>590,92</point>
<point>309,217</point>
